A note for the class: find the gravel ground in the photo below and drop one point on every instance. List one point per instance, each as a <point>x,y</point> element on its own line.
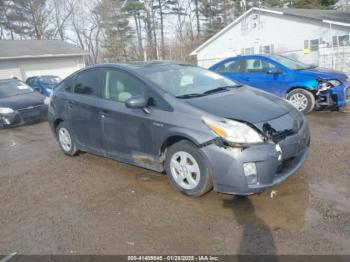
<point>54,204</point>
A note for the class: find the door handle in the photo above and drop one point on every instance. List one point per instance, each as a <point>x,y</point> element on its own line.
<point>70,104</point>
<point>103,113</point>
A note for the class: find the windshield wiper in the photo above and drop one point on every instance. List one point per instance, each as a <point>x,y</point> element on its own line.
<point>219,89</point>
<point>190,95</point>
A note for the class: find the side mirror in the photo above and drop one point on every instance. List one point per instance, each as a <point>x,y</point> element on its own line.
<point>139,102</point>
<point>274,71</point>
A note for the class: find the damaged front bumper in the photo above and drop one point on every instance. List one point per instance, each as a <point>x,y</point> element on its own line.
<point>334,97</point>
<point>24,116</point>
<point>273,163</point>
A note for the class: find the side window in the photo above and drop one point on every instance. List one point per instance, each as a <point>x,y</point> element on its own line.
<point>229,67</point>
<point>120,86</point>
<point>65,85</point>
<point>89,82</point>
<point>256,66</point>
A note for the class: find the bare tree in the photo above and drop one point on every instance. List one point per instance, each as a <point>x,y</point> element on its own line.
<point>62,11</point>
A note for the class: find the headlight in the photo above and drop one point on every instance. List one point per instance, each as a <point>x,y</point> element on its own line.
<point>233,131</point>
<point>334,82</point>
<point>6,110</point>
<point>326,84</point>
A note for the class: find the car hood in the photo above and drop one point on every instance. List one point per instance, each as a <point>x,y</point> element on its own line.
<point>244,103</point>
<point>22,101</point>
<point>325,73</point>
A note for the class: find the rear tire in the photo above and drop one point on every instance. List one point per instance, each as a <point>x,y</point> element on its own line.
<point>187,169</point>
<point>66,140</point>
<point>302,99</point>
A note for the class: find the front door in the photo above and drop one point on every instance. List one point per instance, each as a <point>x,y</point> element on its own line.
<point>255,73</point>
<point>128,133</point>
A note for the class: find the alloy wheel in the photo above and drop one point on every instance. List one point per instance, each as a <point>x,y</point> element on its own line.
<point>185,170</point>
<point>65,139</point>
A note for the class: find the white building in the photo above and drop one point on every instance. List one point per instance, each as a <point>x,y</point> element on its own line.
<point>25,58</point>
<point>319,37</point>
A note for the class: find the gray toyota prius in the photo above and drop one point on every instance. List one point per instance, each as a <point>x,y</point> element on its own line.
<point>204,130</point>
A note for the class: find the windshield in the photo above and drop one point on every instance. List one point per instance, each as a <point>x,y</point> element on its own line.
<point>290,63</point>
<point>50,80</point>
<point>182,81</point>
<point>13,88</point>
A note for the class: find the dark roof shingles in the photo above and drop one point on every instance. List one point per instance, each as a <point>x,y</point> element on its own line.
<point>333,15</point>
<point>20,48</point>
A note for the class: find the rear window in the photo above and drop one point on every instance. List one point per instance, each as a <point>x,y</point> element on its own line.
<point>89,82</point>
<point>13,87</point>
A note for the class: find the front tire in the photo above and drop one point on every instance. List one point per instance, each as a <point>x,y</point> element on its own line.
<point>302,99</point>
<point>66,140</point>
<point>187,170</point>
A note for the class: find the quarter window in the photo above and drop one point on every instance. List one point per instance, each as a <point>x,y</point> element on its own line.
<point>120,86</point>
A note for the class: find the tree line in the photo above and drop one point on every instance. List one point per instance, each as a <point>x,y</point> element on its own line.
<point>128,30</point>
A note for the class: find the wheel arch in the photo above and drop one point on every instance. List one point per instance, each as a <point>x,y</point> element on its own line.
<point>298,87</point>
<point>171,140</point>
<point>56,123</point>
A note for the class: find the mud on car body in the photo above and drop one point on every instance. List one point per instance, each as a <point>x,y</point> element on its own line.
<point>20,104</point>
<point>204,130</point>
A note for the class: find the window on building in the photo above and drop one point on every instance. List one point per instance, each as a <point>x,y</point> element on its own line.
<point>266,49</point>
<point>314,44</point>
<point>247,51</point>
<point>341,40</point>
<point>306,44</point>
<point>335,41</point>
<point>344,40</point>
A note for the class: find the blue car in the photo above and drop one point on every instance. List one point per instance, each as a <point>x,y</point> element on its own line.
<point>306,87</point>
<point>43,84</point>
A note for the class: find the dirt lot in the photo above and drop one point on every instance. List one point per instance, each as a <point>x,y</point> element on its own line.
<point>53,204</point>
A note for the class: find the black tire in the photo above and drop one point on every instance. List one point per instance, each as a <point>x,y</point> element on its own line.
<point>309,98</point>
<point>73,150</point>
<point>205,183</point>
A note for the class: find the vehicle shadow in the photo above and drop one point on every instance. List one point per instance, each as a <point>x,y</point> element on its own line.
<point>257,237</point>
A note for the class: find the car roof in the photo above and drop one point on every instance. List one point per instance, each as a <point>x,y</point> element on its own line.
<point>138,66</point>
<point>241,57</point>
<point>254,56</point>
<point>41,76</point>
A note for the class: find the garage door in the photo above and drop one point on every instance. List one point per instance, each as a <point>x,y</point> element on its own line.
<point>61,67</point>
<point>8,72</point>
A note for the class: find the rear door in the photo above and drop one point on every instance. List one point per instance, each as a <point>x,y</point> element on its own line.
<point>83,110</point>
<point>231,69</point>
